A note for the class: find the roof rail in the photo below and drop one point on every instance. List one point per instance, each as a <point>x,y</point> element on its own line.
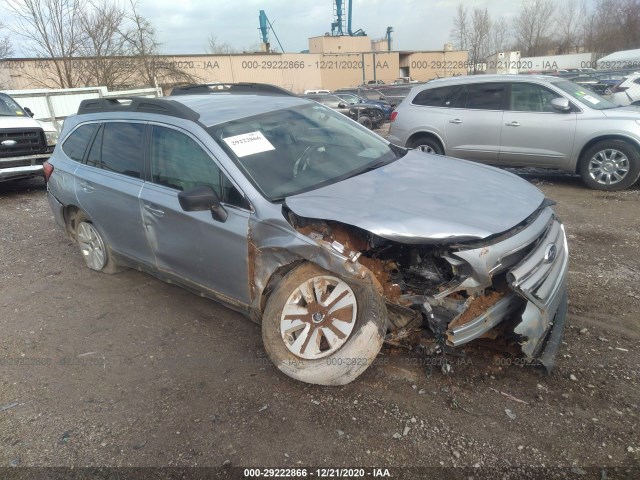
<point>242,87</point>
<point>138,104</point>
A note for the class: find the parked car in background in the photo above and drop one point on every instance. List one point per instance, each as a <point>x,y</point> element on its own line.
<point>627,92</point>
<point>404,80</point>
<point>370,116</point>
<point>353,99</point>
<point>367,93</point>
<point>315,92</point>
<point>606,82</point>
<point>25,143</point>
<point>330,237</point>
<point>526,121</point>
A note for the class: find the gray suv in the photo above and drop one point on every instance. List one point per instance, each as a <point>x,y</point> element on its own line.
<point>303,220</point>
<point>524,120</point>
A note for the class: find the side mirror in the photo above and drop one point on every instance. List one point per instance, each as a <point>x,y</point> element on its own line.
<point>29,112</point>
<point>561,104</point>
<point>342,105</point>
<point>202,198</point>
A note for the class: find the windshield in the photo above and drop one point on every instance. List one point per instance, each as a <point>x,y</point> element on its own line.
<point>9,108</point>
<point>585,96</point>
<point>291,151</point>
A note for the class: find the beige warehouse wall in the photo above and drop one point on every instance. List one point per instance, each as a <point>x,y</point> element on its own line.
<point>295,71</point>
<point>425,66</point>
<point>339,44</point>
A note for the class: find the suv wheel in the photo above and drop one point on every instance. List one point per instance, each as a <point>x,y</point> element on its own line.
<point>610,165</point>
<point>95,251</point>
<point>426,144</point>
<point>319,329</point>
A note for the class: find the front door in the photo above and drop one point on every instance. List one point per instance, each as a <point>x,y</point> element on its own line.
<point>193,247</point>
<point>534,134</point>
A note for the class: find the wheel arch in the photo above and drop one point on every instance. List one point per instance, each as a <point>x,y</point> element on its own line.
<point>427,134</point>
<point>601,138</point>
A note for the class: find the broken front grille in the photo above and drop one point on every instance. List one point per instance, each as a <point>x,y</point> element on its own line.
<point>16,142</point>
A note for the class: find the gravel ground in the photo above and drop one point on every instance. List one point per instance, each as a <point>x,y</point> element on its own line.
<point>124,370</point>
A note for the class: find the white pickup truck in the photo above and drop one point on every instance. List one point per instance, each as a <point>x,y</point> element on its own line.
<point>25,143</point>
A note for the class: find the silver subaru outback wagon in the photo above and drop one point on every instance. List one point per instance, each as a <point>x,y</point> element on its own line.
<point>330,237</point>
<point>524,121</point>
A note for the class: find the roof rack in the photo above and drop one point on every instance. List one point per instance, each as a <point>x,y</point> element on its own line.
<point>138,104</point>
<point>242,87</point>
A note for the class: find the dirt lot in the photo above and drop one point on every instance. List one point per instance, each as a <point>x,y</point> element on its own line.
<point>124,370</point>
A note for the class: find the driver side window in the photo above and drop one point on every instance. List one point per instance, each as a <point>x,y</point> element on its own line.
<point>529,97</point>
<point>179,162</point>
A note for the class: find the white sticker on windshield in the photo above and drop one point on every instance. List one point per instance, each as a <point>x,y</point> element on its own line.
<point>248,144</point>
<point>591,99</point>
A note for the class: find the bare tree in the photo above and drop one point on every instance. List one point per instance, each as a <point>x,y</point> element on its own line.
<point>103,44</point>
<point>216,48</point>
<point>534,27</point>
<point>6,49</point>
<point>51,29</point>
<point>460,27</point>
<point>569,26</point>
<point>612,25</point>
<point>499,38</point>
<point>479,36</point>
<point>144,47</point>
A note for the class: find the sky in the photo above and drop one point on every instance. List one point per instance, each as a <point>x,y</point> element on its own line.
<point>183,26</point>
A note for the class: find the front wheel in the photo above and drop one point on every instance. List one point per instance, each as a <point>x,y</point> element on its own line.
<point>319,329</point>
<point>610,165</point>
<point>427,145</point>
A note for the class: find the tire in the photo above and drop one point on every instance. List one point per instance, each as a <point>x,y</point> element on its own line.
<point>293,344</point>
<point>610,165</point>
<point>427,145</point>
<point>94,249</point>
<point>365,121</point>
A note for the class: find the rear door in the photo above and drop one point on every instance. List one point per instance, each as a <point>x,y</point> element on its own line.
<point>108,187</point>
<point>473,130</point>
<point>192,246</point>
<point>534,134</point>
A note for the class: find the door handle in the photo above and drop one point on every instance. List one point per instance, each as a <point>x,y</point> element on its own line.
<point>513,124</point>
<point>154,210</point>
<point>455,120</point>
<point>87,187</point>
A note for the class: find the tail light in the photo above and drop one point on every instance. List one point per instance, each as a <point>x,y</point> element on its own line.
<point>393,116</point>
<point>48,170</point>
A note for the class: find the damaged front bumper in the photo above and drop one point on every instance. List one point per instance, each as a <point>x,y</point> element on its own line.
<point>536,272</point>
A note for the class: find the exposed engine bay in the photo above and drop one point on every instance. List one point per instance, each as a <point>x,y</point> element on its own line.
<point>435,298</point>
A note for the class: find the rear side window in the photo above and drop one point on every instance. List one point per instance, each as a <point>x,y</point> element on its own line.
<point>486,96</point>
<point>122,148</point>
<point>75,146</point>
<point>438,97</point>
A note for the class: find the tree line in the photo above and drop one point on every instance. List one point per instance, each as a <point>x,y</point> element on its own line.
<point>547,27</point>
<point>61,31</point>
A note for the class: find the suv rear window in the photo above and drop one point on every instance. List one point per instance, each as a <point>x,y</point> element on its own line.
<point>486,96</point>
<point>438,97</point>
<point>76,144</point>
<point>122,148</point>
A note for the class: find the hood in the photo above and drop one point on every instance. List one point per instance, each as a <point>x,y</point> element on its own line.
<point>424,198</point>
<point>18,122</point>
<point>630,112</point>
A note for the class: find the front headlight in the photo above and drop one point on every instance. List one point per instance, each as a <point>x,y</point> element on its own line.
<point>52,138</point>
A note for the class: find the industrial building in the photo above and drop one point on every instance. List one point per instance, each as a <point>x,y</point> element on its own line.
<point>341,58</point>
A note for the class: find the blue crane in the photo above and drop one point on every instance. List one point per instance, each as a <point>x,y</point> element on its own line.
<point>338,25</point>
<point>265,26</point>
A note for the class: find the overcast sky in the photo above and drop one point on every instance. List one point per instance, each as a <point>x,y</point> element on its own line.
<point>184,25</point>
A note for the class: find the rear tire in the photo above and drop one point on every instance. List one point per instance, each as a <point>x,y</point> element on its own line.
<point>610,165</point>
<point>95,250</point>
<point>426,144</point>
<point>311,340</point>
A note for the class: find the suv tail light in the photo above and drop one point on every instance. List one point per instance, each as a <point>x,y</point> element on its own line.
<point>48,170</point>
<point>393,116</point>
